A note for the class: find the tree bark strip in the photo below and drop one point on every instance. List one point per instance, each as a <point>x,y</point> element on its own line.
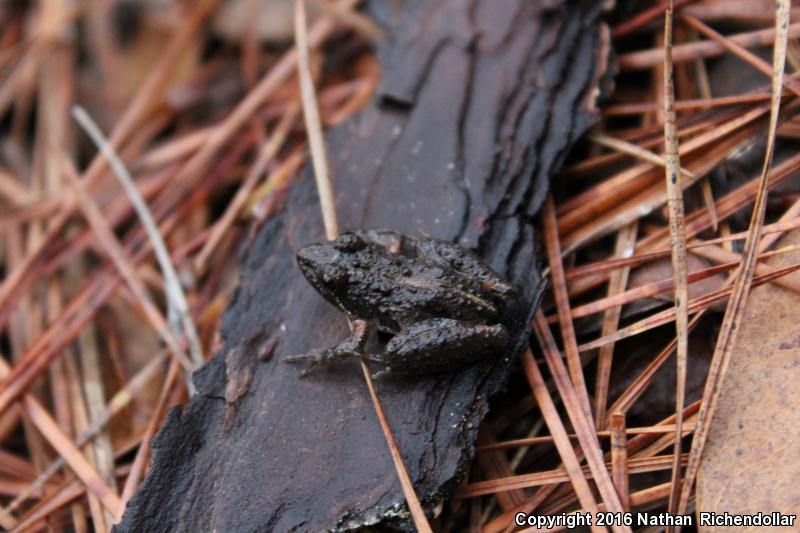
<point>478,107</point>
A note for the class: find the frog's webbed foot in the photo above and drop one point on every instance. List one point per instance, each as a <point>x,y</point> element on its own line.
<point>354,347</point>
<point>324,357</point>
<point>381,373</point>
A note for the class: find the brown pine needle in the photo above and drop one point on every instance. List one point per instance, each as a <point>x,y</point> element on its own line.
<point>626,239</point>
<point>118,402</point>
<point>581,420</point>
<point>649,430</point>
<point>49,505</point>
<point>736,304</point>
<point>619,458</point>
<point>73,457</point>
<point>700,220</point>
<point>135,111</point>
<point>636,465</point>
<point>638,259</point>
<point>417,513</point>
<point>657,287</point>
<point>560,292</point>
<point>645,17</point>
<point>686,52</point>
<point>696,304</point>
<point>572,467</point>
<point>743,53</point>
<point>625,147</point>
<point>107,239</point>
<point>143,453</point>
<point>267,153</point>
<point>319,159</point>
<point>179,316</point>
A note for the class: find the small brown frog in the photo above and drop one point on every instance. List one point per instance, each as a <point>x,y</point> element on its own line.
<point>438,301</point>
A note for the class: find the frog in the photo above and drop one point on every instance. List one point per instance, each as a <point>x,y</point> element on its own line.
<point>439,303</point>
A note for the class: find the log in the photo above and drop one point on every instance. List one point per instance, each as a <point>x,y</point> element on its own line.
<point>477,108</point>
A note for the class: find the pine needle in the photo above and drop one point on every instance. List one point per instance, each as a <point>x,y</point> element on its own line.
<point>178,314</point>
<point>677,232</point>
<point>729,330</point>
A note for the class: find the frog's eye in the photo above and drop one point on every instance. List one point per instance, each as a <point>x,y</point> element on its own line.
<point>335,278</point>
<point>349,242</point>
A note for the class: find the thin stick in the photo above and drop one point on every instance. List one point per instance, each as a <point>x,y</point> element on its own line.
<point>420,520</point>
<point>686,52</point>
<point>319,156</point>
<point>677,232</point>
<point>619,458</point>
<point>178,308</point>
<point>738,300</point>
<point>105,236</point>
<point>626,240</point>
<point>634,150</point>
<point>266,154</point>
<point>118,402</point>
<point>743,53</point>
<point>328,205</point>
<point>572,467</point>
<point>563,306</point>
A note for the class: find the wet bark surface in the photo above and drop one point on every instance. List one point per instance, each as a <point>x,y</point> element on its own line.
<point>477,109</point>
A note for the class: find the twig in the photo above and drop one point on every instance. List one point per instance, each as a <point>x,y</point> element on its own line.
<point>686,52</point>
<point>626,239</point>
<point>677,233</point>
<point>619,458</point>
<point>178,312</point>
<point>562,303</point>
<point>115,251</point>
<point>319,156</point>
<point>572,467</point>
<point>267,153</point>
<point>631,149</point>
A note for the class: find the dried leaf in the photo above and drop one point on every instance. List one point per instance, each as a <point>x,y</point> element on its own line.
<point>750,461</point>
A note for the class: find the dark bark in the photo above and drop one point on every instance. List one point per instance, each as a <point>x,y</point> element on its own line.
<point>478,107</point>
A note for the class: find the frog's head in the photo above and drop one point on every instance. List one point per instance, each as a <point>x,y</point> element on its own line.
<point>327,266</point>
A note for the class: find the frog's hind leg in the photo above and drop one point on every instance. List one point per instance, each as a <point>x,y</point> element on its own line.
<point>353,347</point>
<point>441,344</point>
<point>324,357</point>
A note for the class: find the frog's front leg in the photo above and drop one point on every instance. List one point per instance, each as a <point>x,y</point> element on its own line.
<point>353,347</point>
<point>440,344</point>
